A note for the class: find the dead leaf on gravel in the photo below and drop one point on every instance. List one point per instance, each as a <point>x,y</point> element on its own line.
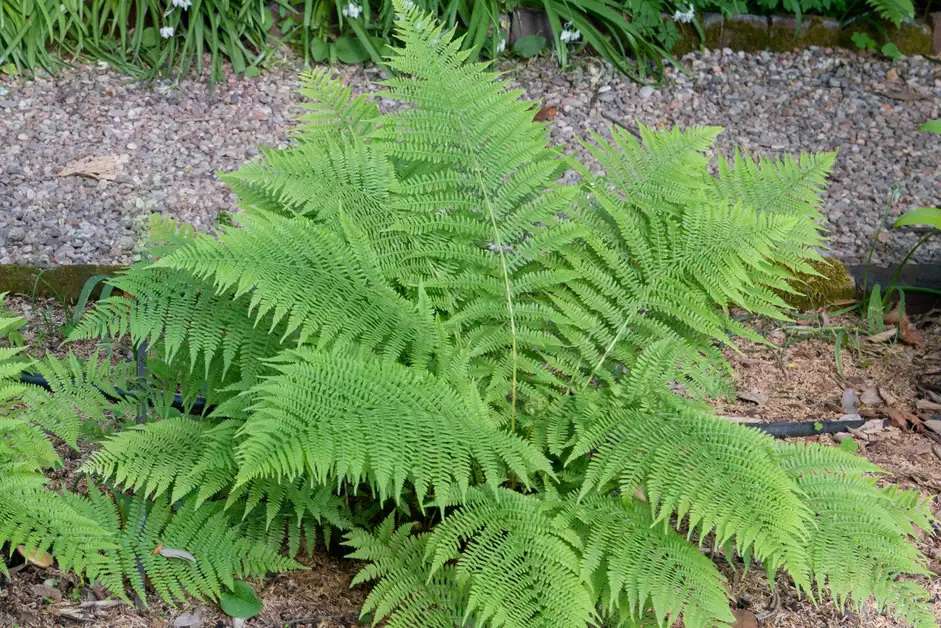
<point>105,167</point>
<point>756,397</point>
<point>884,336</point>
<point>745,618</point>
<point>546,114</point>
<point>937,451</point>
<point>900,91</point>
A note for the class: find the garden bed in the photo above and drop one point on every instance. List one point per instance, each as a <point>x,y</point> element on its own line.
<point>796,378</point>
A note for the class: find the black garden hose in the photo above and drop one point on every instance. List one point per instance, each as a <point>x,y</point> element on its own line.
<point>777,429</point>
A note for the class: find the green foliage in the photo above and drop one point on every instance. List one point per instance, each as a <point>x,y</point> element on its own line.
<point>241,602</point>
<point>931,126</point>
<point>416,322</point>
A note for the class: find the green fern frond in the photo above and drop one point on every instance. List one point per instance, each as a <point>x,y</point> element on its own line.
<point>319,180</point>
<point>358,419</point>
<point>861,544</point>
<point>521,565</point>
<point>332,111</point>
<point>711,475</point>
<point>215,552</point>
<point>178,456</point>
<point>637,566</point>
<point>299,275</point>
<point>185,321</point>
<point>404,591</point>
<point>81,392</point>
<point>895,11</point>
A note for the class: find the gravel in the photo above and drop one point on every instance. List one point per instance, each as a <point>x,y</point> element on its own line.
<point>172,139</point>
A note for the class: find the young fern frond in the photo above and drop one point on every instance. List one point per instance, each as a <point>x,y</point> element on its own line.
<point>332,111</point>
<point>403,592</point>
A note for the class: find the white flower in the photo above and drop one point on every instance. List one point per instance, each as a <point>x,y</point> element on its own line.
<point>569,34</point>
<point>501,46</point>
<point>685,17</point>
<point>352,10</point>
<point>182,4</point>
<point>167,32</point>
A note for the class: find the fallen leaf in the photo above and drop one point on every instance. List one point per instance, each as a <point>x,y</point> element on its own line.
<point>937,451</point>
<point>892,316</point>
<point>885,394</point>
<point>745,618</point>
<point>933,424</point>
<point>902,419</point>
<point>189,620</point>
<point>45,591</point>
<point>37,557</point>
<point>925,404</point>
<point>106,167</point>
<point>870,397</point>
<point>882,336</point>
<point>849,401</point>
<point>169,552</point>
<point>892,75</point>
<point>900,91</point>
<point>755,397</point>
<point>909,334</point>
<point>546,114</point>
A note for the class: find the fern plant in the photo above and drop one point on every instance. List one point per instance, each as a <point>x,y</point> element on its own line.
<point>493,381</point>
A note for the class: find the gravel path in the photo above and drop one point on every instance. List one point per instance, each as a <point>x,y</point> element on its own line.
<point>171,139</point>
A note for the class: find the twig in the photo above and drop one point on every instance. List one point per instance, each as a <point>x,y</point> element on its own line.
<point>616,121</point>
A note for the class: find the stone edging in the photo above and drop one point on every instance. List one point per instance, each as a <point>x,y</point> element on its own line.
<point>759,32</point>
<point>781,33</point>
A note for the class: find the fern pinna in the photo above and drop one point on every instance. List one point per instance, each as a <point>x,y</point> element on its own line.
<point>494,382</point>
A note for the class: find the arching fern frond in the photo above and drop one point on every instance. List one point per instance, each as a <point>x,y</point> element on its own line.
<point>712,475</point>
<point>639,568</point>
<point>142,530</point>
<point>359,419</point>
<point>300,275</point>
<point>861,544</point>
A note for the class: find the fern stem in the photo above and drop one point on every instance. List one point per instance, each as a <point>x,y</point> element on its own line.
<point>508,291</point>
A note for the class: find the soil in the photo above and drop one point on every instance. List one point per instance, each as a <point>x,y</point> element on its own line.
<point>799,375</point>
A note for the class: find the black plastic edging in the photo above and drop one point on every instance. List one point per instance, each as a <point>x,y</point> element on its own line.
<point>777,429</point>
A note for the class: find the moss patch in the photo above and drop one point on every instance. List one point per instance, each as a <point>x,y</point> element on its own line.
<point>834,283</point>
<point>63,283</point>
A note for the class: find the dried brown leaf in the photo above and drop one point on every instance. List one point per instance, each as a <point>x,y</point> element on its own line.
<point>36,557</point>
<point>105,167</point>
<point>883,336</point>
<point>546,114</point>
